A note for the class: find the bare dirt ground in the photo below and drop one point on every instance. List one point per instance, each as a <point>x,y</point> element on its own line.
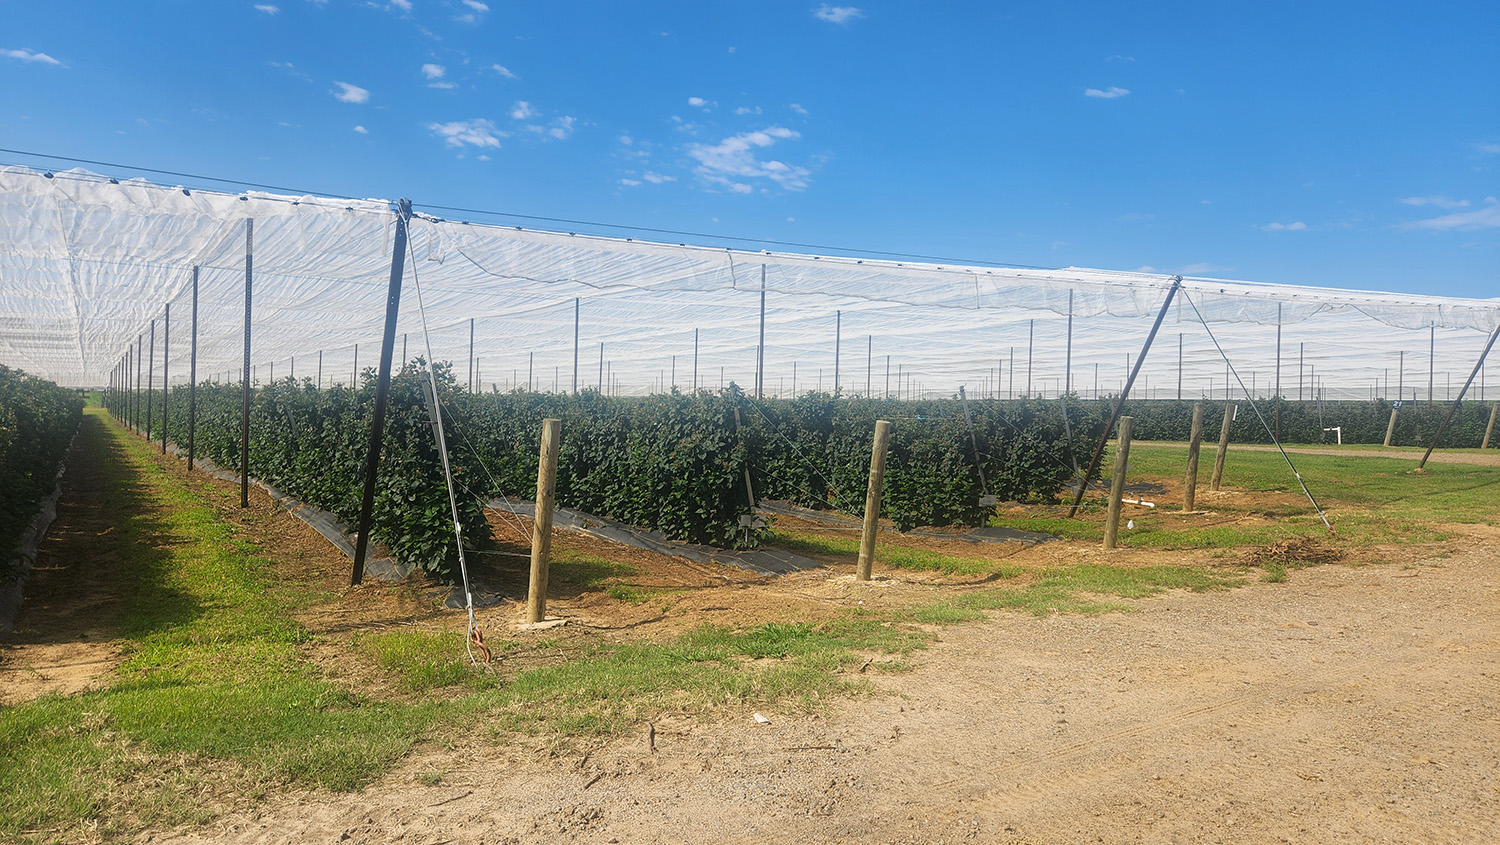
<point>1352,703</point>
<point>1489,459</point>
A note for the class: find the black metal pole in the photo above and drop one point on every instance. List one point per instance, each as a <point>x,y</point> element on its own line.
<point>382,389</point>
<point>471,352</point>
<point>601,367</point>
<point>193,377</point>
<point>1120,403</point>
<point>838,334</point>
<point>245,400</point>
<point>166,344</point>
<point>695,360</point>
<point>1431,360</point>
<point>1030,354</point>
<point>577,306</point>
<point>1179,366</point>
<point>1278,371</point>
<point>1068,358</point>
<point>1459,401</point>
<point>760,346</point>
<point>869,364</point>
<point>150,379</point>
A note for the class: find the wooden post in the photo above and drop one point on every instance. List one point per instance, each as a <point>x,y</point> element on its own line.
<point>382,391</point>
<point>193,377</point>
<point>1490,429</point>
<point>1213,484</point>
<point>872,500</point>
<point>541,531</point>
<point>1195,441</point>
<point>1117,484</point>
<point>1458,403</point>
<point>1390,428</point>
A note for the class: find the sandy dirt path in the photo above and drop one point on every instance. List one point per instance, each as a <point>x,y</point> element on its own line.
<point>1349,704</point>
<point>1486,459</point>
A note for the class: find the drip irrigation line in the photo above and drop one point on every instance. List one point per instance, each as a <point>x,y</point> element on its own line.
<point>1256,408</point>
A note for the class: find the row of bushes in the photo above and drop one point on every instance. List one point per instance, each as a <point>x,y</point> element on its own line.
<point>37,422</point>
<point>676,463</point>
<point>1303,422</point>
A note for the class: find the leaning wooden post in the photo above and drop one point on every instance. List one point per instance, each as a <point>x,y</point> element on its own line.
<point>1458,403</point>
<point>872,500</point>
<point>541,531</point>
<point>1390,427</point>
<point>1195,441</point>
<point>1213,484</point>
<point>1490,429</point>
<point>382,390</point>
<point>1117,484</point>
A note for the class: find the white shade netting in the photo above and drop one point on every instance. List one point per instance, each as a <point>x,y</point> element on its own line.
<point>87,264</point>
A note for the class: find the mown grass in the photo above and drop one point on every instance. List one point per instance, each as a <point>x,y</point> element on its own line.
<point>1370,501</point>
<point>900,557</point>
<point>1085,589</point>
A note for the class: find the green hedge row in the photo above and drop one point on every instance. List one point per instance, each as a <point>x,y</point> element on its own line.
<point>676,463</point>
<point>37,422</point>
<point>1303,422</point>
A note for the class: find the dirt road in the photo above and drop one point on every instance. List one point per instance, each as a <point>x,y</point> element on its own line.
<point>1349,704</point>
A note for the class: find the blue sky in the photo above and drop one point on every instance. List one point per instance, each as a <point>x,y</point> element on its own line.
<point>1336,143</point>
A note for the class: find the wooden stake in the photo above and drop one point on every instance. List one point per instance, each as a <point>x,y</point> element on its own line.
<point>1390,428</point>
<point>872,500</point>
<point>1117,484</point>
<point>1195,441</point>
<point>1213,484</point>
<point>1490,429</point>
<point>541,532</point>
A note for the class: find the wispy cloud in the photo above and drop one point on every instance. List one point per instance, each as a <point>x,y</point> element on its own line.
<point>28,56</point>
<point>503,71</point>
<point>1488,149</point>
<point>292,69</point>
<point>657,178</point>
<point>1202,267</point>
<point>1463,221</point>
<point>562,127</point>
<point>432,71</point>
<point>837,14</point>
<point>1436,202</point>
<point>630,183</point>
<point>732,162</point>
<point>476,6</point>
<point>361,130</point>
<point>698,102</point>
<point>403,5</point>
<point>1119,58</point>
<point>351,93</point>
<point>1298,226</point>
<point>744,110</point>
<point>522,110</point>
<point>1109,93</point>
<point>798,109</point>
<point>267,8</point>
<point>477,133</point>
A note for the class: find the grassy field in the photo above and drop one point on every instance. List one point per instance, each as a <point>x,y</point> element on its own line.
<point>216,694</point>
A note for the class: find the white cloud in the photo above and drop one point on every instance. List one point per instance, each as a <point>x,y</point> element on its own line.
<point>1119,58</point>
<point>1203,267</point>
<point>1298,226</point>
<point>797,108</point>
<point>627,140</point>
<point>503,71</point>
<point>1437,202</point>
<point>1492,149</point>
<point>1463,221</point>
<point>445,86</point>
<point>432,71</point>
<point>1145,268</point>
<point>630,183</point>
<point>267,8</point>
<point>351,93</point>
<point>562,127</point>
<point>1109,93</point>
<point>657,178</point>
<point>697,102</point>
<point>28,56</point>
<point>478,133</point>
<point>522,110</point>
<point>744,110</point>
<point>477,6</point>
<point>837,14</point>
<point>733,159</point>
<point>403,5</point>
<point>361,130</point>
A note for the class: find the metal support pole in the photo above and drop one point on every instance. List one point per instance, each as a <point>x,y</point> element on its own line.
<point>1030,353</point>
<point>166,345</point>
<point>869,365</point>
<point>541,524</point>
<point>974,442</point>
<point>1213,483</point>
<point>1459,401</point>
<point>1195,442</point>
<point>193,378</point>
<point>530,362</point>
<point>601,367</point>
<point>760,346</point>
<point>838,332</point>
<point>872,500</point>
<point>1119,403</point>
<point>354,382</point>
<point>245,401</point>
<point>695,360</point>
<point>1068,357</point>
<point>471,354</point>
<point>1431,363</point>
<point>1117,484</point>
<point>1179,366</point>
<point>382,390</point>
<point>150,379</point>
<point>1278,372</point>
<point>887,376</point>
<point>577,308</point>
